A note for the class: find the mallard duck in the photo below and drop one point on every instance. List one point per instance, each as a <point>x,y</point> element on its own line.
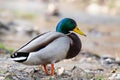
<point>51,47</point>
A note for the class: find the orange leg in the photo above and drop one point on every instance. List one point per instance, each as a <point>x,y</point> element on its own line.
<point>45,69</point>
<point>52,69</point>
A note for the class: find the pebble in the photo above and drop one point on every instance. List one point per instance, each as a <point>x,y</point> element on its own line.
<point>60,71</point>
<point>2,78</point>
<point>109,61</point>
<point>115,76</point>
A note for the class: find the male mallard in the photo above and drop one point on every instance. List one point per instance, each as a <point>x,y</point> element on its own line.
<point>51,47</point>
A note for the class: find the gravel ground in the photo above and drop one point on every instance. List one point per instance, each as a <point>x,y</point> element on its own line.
<point>86,66</point>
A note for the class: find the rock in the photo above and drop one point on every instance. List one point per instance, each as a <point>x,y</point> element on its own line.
<point>60,70</point>
<point>3,26</point>
<point>115,76</point>
<point>109,61</point>
<point>2,78</point>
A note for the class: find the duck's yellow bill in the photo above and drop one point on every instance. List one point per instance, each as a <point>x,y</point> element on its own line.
<point>77,30</point>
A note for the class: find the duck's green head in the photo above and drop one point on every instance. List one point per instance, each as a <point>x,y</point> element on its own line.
<point>66,25</point>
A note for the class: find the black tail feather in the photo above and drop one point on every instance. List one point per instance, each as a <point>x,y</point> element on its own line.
<point>18,56</point>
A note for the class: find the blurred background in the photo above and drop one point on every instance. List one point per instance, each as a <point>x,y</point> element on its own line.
<point>21,20</point>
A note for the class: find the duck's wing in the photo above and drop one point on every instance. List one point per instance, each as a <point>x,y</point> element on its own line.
<point>40,42</point>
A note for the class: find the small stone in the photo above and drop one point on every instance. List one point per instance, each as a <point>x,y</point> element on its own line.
<point>115,76</point>
<point>60,71</point>
<point>2,78</point>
